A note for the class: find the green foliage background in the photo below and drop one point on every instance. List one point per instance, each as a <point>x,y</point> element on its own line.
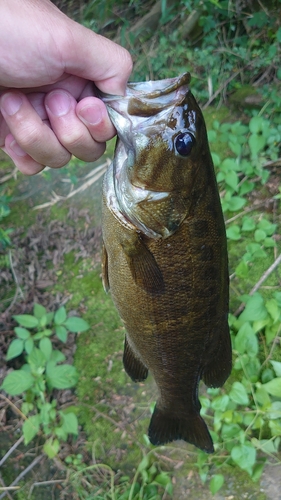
<point>233,52</point>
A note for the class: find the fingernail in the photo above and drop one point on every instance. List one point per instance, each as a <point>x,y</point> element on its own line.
<point>11,103</point>
<point>90,115</point>
<point>58,103</point>
<point>17,149</point>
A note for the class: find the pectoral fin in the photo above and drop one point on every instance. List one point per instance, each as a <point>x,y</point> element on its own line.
<point>143,266</point>
<point>133,365</point>
<point>104,267</point>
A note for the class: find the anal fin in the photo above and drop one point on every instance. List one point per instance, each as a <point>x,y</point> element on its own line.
<point>134,366</point>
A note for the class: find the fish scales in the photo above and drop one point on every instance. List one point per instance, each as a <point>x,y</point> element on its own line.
<point>165,255</point>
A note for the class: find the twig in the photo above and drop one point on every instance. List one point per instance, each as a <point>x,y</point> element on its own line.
<point>265,275</point>
<point>22,415</point>
<point>260,282</point>
<point>17,443</point>
<point>23,473</point>
<point>18,288</point>
<point>8,176</point>
<point>44,483</point>
<point>94,177</point>
<point>248,210</point>
<point>222,87</point>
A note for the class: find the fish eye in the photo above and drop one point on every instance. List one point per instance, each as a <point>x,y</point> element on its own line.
<point>184,143</point>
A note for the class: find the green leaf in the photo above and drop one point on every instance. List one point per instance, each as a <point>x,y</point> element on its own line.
<point>235,147</point>
<point>259,235</point>
<point>45,345</point>
<point>235,203</point>
<point>61,377</point>
<point>70,423</point>
<point>274,411</point>
<point>61,333</point>
<point>22,333</point>
<point>277,367</point>
<point>273,387</point>
<point>15,349</point>
<point>229,431</point>
<point>244,456</point>
<point>216,483</point>
<point>57,356</point>
<point>30,428</point>
<point>248,224</point>
<point>17,381</point>
<point>255,309</point>
<point>75,325</point>
<point>26,320</point>
<point>246,340</point>
<point>51,447</point>
<point>256,144</point>
<point>60,316</point>
<point>273,308</point>
<point>242,270</point>
<point>28,345</point>
<point>220,403</point>
<point>256,124</point>
<point>36,359</point>
<point>232,180</point>
<point>238,394</point>
<point>233,232</point>
<point>39,311</point>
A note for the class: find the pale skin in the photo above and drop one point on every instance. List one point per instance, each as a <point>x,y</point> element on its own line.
<point>49,65</point>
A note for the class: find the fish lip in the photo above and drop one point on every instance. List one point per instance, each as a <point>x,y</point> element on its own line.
<point>147,98</point>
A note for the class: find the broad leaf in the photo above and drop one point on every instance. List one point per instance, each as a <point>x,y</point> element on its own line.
<point>60,316</point>
<point>273,387</point>
<point>75,325</point>
<point>17,382</point>
<point>51,447</point>
<point>45,346</point>
<point>39,311</point>
<point>61,377</point>
<point>30,428</point>
<point>26,320</point>
<point>15,349</point>
<point>22,333</point>
<point>244,456</point>
<point>216,483</point>
<point>238,394</point>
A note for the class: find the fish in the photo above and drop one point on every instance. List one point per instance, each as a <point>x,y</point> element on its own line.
<point>164,256</point>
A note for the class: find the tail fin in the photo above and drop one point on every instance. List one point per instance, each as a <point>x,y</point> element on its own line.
<point>165,427</point>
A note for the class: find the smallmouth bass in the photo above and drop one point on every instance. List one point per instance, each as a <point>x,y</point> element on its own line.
<point>164,255</point>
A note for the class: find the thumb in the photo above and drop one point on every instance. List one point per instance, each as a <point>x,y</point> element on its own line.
<point>98,59</point>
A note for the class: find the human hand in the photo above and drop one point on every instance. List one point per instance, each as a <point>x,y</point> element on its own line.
<point>48,64</point>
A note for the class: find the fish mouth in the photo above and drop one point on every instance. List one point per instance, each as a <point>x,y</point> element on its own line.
<point>146,99</point>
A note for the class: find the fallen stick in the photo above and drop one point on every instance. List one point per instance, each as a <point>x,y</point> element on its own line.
<point>260,282</point>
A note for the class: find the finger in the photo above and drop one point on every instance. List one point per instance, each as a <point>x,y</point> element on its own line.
<point>31,133</point>
<point>100,60</point>
<point>23,161</point>
<point>92,112</point>
<point>80,140</point>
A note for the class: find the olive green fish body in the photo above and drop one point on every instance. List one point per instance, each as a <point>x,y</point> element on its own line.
<point>165,263</point>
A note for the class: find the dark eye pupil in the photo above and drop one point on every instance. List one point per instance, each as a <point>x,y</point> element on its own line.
<point>184,144</point>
